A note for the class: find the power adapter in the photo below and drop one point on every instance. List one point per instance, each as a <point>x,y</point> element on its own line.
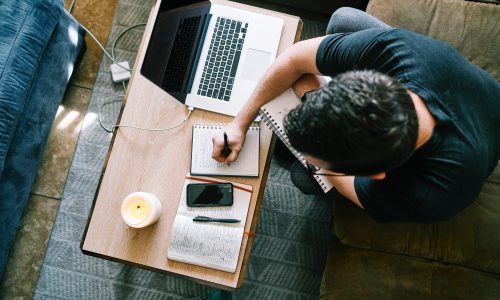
<point>119,74</point>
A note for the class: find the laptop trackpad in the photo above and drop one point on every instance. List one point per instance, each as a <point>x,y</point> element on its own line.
<point>256,63</point>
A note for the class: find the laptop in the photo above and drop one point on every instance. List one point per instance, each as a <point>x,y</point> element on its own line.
<point>210,56</point>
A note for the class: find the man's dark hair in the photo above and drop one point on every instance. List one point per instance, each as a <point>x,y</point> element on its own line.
<point>361,123</point>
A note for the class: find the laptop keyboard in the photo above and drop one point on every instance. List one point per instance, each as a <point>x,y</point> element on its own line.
<point>222,60</point>
<point>181,52</point>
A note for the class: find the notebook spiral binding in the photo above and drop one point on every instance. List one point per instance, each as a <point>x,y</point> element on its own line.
<point>254,126</point>
<point>278,130</point>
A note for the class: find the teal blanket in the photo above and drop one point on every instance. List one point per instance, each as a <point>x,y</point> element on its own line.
<point>39,44</point>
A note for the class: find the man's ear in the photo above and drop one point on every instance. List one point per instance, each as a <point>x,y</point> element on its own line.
<point>378,176</point>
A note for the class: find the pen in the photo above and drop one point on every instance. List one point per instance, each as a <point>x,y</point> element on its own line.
<point>208,219</point>
<point>226,150</point>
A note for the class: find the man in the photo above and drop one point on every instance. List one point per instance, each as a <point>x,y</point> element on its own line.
<point>407,129</point>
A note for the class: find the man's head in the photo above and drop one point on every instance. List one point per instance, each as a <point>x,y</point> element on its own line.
<point>360,123</point>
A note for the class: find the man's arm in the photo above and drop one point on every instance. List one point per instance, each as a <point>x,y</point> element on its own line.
<point>307,83</point>
<point>295,61</point>
<point>345,186</point>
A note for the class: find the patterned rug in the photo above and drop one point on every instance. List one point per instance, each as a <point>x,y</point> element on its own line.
<point>292,236</point>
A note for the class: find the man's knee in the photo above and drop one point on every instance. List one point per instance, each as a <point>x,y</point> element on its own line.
<point>342,20</point>
<point>348,19</point>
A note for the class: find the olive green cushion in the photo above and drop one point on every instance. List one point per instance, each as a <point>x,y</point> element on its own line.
<point>471,27</point>
<point>365,274</point>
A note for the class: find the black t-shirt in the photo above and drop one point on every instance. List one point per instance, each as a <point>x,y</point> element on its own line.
<point>446,174</point>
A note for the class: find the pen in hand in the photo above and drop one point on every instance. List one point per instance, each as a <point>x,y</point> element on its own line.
<point>226,150</point>
<point>208,219</point>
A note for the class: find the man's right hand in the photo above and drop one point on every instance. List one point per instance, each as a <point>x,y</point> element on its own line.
<point>235,137</point>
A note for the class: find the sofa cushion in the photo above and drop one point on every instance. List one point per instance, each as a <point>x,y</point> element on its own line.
<point>360,274</point>
<point>470,239</point>
<point>471,27</point>
<point>26,27</point>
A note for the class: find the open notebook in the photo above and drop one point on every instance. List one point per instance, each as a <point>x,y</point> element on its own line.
<point>211,245</point>
<point>202,162</point>
<point>273,114</point>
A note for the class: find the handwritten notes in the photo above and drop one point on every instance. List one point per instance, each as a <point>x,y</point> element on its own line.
<point>207,244</point>
<point>202,162</point>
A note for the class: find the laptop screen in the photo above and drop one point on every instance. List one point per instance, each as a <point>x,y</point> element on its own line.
<point>173,49</point>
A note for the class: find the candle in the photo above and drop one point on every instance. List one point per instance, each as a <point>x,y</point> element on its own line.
<point>140,209</point>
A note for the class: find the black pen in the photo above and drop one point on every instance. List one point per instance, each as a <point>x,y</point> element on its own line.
<point>208,219</point>
<point>226,150</point>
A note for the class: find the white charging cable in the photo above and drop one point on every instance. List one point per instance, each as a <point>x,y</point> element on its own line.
<point>190,110</point>
<point>71,6</point>
<point>112,57</point>
<point>104,49</point>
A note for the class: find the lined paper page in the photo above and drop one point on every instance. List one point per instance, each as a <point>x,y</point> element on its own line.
<point>212,245</point>
<point>202,162</point>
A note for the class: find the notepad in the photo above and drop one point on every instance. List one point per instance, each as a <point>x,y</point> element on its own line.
<point>211,245</point>
<point>202,162</point>
<point>272,115</point>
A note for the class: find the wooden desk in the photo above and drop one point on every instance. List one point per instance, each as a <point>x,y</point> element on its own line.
<point>157,162</point>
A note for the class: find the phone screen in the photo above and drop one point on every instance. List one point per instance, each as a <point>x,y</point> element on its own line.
<point>209,194</point>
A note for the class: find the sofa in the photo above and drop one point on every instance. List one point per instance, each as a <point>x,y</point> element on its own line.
<point>458,258</point>
<point>40,43</point>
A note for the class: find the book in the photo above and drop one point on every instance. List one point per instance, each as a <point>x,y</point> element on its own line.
<point>273,114</point>
<point>211,245</point>
<point>202,163</point>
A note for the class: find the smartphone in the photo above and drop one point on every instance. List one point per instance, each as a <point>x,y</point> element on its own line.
<point>209,194</point>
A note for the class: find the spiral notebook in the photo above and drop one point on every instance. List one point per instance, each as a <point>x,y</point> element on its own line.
<point>202,163</point>
<point>272,115</point>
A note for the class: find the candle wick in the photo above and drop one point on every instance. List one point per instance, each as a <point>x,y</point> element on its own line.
<point>138,206</point>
